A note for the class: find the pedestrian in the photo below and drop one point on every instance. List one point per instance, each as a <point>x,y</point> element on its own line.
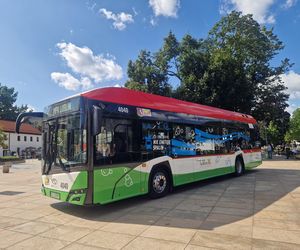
<point>287,151</point>
<point>270,151</point>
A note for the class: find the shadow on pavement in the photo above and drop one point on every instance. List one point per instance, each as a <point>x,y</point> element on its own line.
<point>203,205</point>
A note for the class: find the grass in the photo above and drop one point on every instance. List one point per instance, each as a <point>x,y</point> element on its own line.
<point>9,158</point>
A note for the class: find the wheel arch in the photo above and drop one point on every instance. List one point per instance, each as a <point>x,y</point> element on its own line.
<point>164,165</point>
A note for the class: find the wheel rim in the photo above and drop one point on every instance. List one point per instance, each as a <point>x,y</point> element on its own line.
<point>239,167</point>
<point>159,182</point>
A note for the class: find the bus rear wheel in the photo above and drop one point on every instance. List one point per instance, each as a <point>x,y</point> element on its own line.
<point>159,183</point>
<point>239,167</point>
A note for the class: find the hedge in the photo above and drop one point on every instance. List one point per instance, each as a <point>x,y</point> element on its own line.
<point>9,158</point>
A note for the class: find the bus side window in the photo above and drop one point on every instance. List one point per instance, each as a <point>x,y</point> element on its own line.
<point>155,139</point>
<point>236,136</point>
<point>206,137</point>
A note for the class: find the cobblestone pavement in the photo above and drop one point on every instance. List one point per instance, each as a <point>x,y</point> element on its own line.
<point>260,210</point>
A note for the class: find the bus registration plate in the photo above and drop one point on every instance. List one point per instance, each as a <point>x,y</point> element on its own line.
<point>55,195</point>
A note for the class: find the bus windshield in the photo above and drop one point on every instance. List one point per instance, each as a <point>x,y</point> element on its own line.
<point>65,142</point>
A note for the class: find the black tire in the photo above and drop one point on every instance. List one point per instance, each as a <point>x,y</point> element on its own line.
<point>159,183</point>
<point>239,167</point>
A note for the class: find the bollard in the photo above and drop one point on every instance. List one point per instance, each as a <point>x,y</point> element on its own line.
<point>6,167</point>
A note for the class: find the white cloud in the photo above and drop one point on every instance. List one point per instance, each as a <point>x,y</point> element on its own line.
<point>291,108</point>
<point>30,108</point>
<point>153,21</point>
<point>135,11</point>
<point>83,62</point>
<point>66,80</point>
<point>292,82</point>
<point>259,8</point>
<point>167,8</point>
<point>289,3</point>
<point>120,20</point>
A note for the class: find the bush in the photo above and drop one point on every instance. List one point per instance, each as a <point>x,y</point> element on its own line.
<point>9,158</point>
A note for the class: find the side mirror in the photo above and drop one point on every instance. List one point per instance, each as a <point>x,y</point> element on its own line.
<point>33,117</point>
<point>97,118</point>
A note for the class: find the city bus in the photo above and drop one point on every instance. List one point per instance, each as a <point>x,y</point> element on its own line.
<point>110,144</point>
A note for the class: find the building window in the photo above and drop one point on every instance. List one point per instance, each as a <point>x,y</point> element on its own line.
<point>30,138</point>
<point>19,138</point>
<point>25,138</point>
<point>37,139</point>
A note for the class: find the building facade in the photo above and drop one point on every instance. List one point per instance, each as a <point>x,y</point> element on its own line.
<point>26,144</point>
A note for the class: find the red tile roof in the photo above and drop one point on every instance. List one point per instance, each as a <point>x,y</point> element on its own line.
<point>9,126</point>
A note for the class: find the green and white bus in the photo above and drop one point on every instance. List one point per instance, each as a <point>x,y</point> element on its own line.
<point>109,144</point>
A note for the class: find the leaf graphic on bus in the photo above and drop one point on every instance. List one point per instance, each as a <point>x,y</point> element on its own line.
<point>106,172</point>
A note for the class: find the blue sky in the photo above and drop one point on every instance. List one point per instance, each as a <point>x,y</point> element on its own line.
<point>53,49</point>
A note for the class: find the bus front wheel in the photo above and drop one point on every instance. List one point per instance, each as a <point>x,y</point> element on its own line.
<point>159,183</point>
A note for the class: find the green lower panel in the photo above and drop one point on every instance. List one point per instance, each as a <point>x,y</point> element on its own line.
<point>253,164</point>
<point>112,184</point>
<point>181,179</point>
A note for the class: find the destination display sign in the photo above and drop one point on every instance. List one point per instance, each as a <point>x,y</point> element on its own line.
<point>63,107</point>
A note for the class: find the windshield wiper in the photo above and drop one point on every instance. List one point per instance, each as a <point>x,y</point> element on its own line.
<point>62,165</point>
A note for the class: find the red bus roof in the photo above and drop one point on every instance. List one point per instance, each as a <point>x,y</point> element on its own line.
<point>144,100</point>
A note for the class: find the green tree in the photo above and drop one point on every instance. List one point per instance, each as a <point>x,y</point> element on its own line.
<point>229,69</point>
<point>8,109</point>
<point>294,130</point>
<point>145,75</point>
<point>273,133</point>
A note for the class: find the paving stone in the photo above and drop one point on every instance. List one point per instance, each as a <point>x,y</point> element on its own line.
<point>179,222</point>
<point>168,233</point>
<point>124,228</point>
<point>56,219</point>
<point>9,238</point>
<point>139,219</point>
<point>276,235</point>
<point>77,246</point>
<point>228,219</point>
<point>141,243</point>
<point>39,243</point>
<point>278,224</point>
<point>33,227</point>
<point>67,233</point>
<point>230,229</point>
<point>6,222</point>
<point>273,245</point>
<point>220,241</point>
<point>195,247</point>
<point>106,239</point>
<point>233,211</point>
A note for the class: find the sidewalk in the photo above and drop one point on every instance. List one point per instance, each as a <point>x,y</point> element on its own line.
<point>260,210</point>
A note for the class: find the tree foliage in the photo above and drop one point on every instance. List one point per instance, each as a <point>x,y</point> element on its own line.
<point>294,130</point>
<point>273,133</point>
<point>145,74</point>
<point>8,109</point>
<point>230,69</point>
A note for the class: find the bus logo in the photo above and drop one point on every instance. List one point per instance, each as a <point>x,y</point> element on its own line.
<point>46,181</point>
<point>143,112</point>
